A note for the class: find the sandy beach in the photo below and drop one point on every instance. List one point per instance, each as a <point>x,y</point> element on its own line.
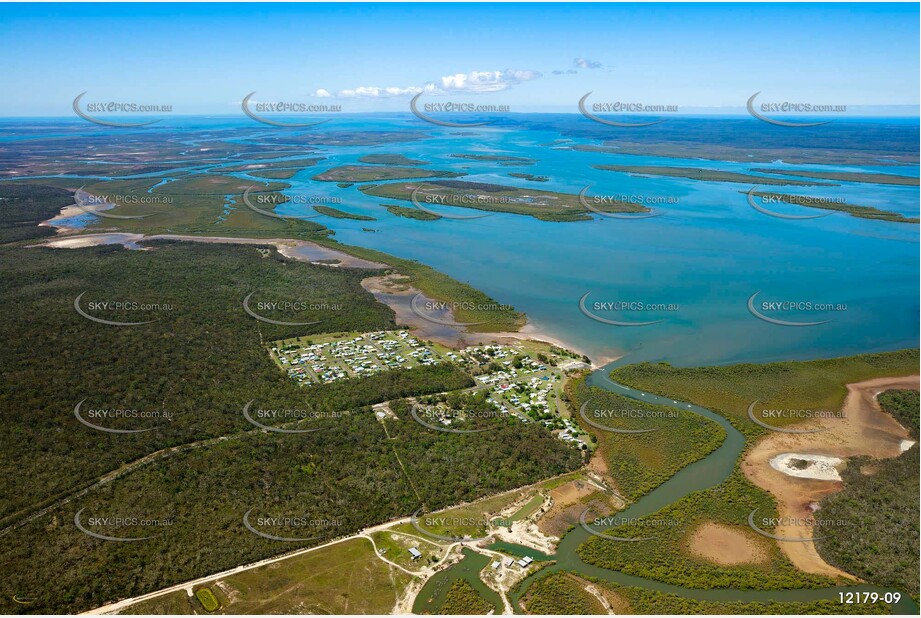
<point>390,290</point>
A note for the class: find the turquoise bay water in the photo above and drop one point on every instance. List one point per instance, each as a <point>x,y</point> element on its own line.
<point>706,255</point>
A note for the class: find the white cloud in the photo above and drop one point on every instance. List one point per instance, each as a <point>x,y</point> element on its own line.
<point>584,63</point>
<point>374,92</point>
<point>486,81</point>
<point>475,82</point>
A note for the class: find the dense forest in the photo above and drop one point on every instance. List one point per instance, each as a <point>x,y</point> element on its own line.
<point>328,483</point>
<point>193,368</point>
<point>639,462</point>
<point>558,593</point>
<point>459,466</point>
<point>645,601</point>
<point>730,389</point>
<point>904,406</point>
<point>666,558</point>
<point>463,599</point>
<point>23,207</point>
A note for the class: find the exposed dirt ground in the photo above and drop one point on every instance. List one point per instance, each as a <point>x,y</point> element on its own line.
<point>727,546</point>
<point>865,430</point>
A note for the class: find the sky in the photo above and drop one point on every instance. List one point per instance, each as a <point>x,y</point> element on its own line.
<point>204,58</point>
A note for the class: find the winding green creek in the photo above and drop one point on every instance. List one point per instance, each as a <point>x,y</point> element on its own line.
<point>432,596</point>
<point>707,472</point>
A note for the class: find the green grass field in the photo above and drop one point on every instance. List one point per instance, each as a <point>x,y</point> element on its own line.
<point>346,578</point>
<point>207,599</point>
<point>528,509</point>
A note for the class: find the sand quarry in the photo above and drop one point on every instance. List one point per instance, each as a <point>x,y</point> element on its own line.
<point>865,430</point>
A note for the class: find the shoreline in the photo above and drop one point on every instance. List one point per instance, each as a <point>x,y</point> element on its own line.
<point>397,296</point>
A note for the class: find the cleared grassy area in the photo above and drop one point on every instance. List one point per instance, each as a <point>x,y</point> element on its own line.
<point>346,578</point>
<point>174,603</point>
<point>528,509</point>
<point>730,389</point>
<point>207,599</point>
<point>394,546</point>
<point>487,510</point>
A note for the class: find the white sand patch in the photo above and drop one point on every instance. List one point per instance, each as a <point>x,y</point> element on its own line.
<point>95,240</point>
<point>820,467</point>
<point>904,445</point>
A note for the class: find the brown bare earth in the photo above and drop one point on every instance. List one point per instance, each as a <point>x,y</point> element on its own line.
<point>569,500</point>
<point>865,430</point>
<point>726,545</point>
